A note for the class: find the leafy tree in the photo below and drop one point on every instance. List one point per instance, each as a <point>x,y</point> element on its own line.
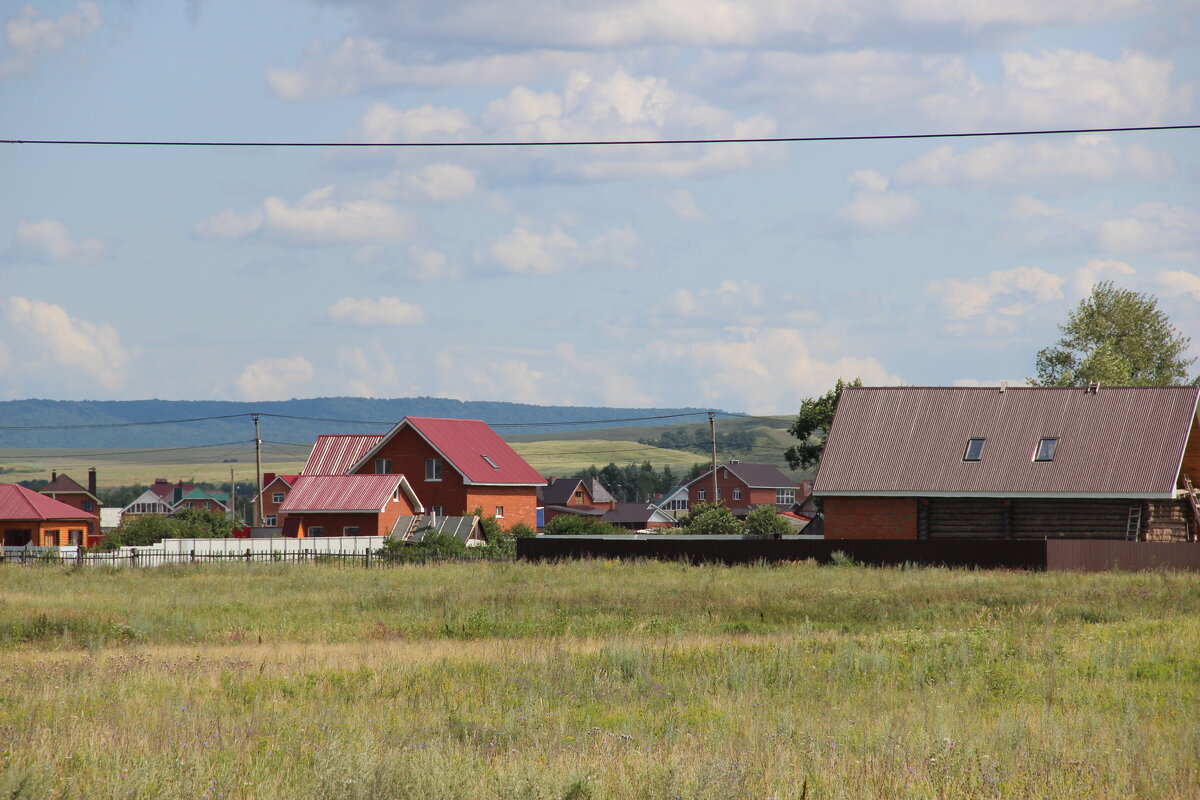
<point>489,526</point>
<point>191,523</point>
<point>711,519</point>
<point>203,524</point>
<point>120,496</point>
<point>1115,336</point>
<point>764,520</point>
<point>812,426</point>
<point>571,525</point>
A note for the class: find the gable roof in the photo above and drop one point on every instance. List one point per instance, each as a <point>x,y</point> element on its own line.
<point>361,493</point>
<point>1124,441</point>
<point>148,497</point>
<point>559,491</point>
<point>470,446</point>
<point>19,503</point>
<point>637,513</point>
<point>755,476</point>
<point>200,494</point>
<point>64,484</point>
<point>336,453</point>
<point>596,489</point>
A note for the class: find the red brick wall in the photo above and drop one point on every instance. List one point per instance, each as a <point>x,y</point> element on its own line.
<point>726,485</point>
<point>870,518</point>
<point>520,503</point>
<point>269,506</point>
<point>75,500</point>
<point>369,524</point>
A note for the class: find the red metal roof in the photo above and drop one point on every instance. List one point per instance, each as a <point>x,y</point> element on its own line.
<point>335,454</point>
<point>472,448</point>
<point>1119,441</point>
<point>368,493</point>
<point>19,503</point>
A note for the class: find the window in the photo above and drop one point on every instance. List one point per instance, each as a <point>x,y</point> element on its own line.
<point>433,469</point>
<point>437,511</point>
<point>785,497</point>
<point>579,495</point>
<point>350,530</point>
<point>269,520</point>
<point>737,494</point>
<point>383,466</point>
<point>701,494</point>
<point>316,530</point>
<point>1045,450</point>
<point>499,512</point>
<point>75,537</point>
<point>974,451</point>
<point>87,505</point>
<point>49,538</point>
<point>277,498</point>
<point>490,463</point>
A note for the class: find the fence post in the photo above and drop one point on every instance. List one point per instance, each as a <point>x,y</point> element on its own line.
<point>247,555</point>
<point>192,554</point>
<point>367,559</point>
<point>79,556</point>
<point>133,558</point>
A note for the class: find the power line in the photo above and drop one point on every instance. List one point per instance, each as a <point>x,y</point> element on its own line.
<point>101,453</point>
<point>114,424</point>
<point>602,142</point>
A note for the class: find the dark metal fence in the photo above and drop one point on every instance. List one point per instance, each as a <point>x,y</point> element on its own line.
<point>158,559</point>
<point>1060,554</point>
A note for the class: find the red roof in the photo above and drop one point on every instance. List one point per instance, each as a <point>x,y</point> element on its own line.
<point>1119,441</point>
<point>19,503</point>
<point>366,493</point>
<point>335,454</point>
<point>472,448</point>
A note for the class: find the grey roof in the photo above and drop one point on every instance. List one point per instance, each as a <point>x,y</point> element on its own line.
<point>415,529</point>
<point>559,491</point>
<point>597,491</point>
<point>755,476</point>
<point>910,441</point>
<point>579,511</point>
<point>638,513</point>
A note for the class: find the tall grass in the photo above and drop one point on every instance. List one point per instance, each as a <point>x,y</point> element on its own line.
<point>597,680</point>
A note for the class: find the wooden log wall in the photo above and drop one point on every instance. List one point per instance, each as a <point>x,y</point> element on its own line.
<point>1166,521</point>
<point>989,518</point>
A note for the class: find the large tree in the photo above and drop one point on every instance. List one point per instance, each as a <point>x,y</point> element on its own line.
<point>812,426</point>
<point>1115,336</point>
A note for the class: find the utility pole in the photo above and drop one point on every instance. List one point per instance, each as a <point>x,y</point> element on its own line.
<point>232,498</point>
<point>712,435</point>
<point>257,514</point>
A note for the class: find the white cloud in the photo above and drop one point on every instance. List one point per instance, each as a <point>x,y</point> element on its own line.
<point>1153,228</point>
<point>531,251</point>
<point>739,303</point>
<point>686,208</point>
<point>28,33</point>
<point>1026,208</point>
<point>1180,282</point>
<point>369,371</point>
<point>318,218</point>
<point>873,208</point>
<point>379,311</point>
<point>764,371</point>
<point>1001,298</point>
<point>441,183</point>
<point>274,378</point>
<point>489,373</point>
<point>48,242</point>
<point>429,264</point>
<point>1090,157</point>
<point>384,123</point>
<point>95,350</point>
<point>1096,271</point>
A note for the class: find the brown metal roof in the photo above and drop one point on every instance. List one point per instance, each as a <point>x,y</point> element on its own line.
<point>755,476</point>
<point>1117,442</point>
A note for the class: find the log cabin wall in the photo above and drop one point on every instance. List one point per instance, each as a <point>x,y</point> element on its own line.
<point>1023,518</point>
<point>966,518</point>
<point>1166,521</point>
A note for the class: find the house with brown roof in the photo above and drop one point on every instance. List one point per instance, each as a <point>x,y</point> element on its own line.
<point>638,517</point>
<point>576,496</point>
<point>65,490</point>
<point>743,486</point>
<point>1012,463</point>
<point>29,518</point>
<point>348,505</point>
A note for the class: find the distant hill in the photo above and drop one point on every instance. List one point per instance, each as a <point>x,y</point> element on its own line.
<point>298,420</point>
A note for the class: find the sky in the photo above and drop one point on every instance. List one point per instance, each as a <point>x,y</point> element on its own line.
<point>742,277</point>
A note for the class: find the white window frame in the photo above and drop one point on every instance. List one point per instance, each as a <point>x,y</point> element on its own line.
<point>347,530</point>
<point>785,497</point>
<point>737,494</point>
<point>277,497</point>
<point>499,512</point>
<point>433,469</point>
<point>701,494</point>
<point>316,530</point>
<point>269,520</point>
<point>383,466</point>
<point>436,511</point>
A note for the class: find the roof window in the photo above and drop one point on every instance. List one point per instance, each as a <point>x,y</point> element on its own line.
<point>1045,450</point>
<point>491,463</point>
<point>974,451</point>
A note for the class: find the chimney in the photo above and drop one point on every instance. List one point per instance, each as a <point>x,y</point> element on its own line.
<point>92,480</point>
<point>1003,387</point>
<point>734,461</point>
<point>53,475</point>
<point>267,478</point>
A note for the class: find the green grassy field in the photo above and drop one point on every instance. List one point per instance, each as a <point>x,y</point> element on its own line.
<point>597,680</point>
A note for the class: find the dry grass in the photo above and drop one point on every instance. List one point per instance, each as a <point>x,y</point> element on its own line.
<point>597,680</point>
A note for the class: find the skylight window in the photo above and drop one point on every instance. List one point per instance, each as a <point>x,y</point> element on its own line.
<point>491,463</point>
<point>1045,450</point>
<point>974,450</point>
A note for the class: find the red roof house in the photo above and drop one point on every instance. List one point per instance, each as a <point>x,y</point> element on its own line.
<point>347,505</point>
<point>275,490</point>
<point>335,453</point>
<point>65,490</point>
<point>27,517</point>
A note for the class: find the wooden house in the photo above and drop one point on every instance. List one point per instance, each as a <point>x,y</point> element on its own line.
<point>29,518</point>
<point>1017,463</point>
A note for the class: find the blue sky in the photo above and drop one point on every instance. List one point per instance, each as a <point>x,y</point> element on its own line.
<point>742,276</point>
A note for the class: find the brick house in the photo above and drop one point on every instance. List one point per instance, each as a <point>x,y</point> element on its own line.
<point>29,518</point>
<point>638,517</point>
<point>201,500</point>
<point>456,466</point>
<point>1016,463</point>
<point>577,496</point>
<point>65,490</point>
<point>742,487</point>
<point>275,490</point>
<point>170,493</point>
<point>348,505</point>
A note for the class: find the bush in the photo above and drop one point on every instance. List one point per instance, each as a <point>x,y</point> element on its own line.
<point>712,519</point>
<point>763,520</point>
<point>571,525</point>
<point>191,523</point>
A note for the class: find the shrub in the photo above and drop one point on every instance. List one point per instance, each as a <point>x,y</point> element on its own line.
<point>571,525</point>
<point>191,523</point>
<point>712,519</point>
<point>763,520</point>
